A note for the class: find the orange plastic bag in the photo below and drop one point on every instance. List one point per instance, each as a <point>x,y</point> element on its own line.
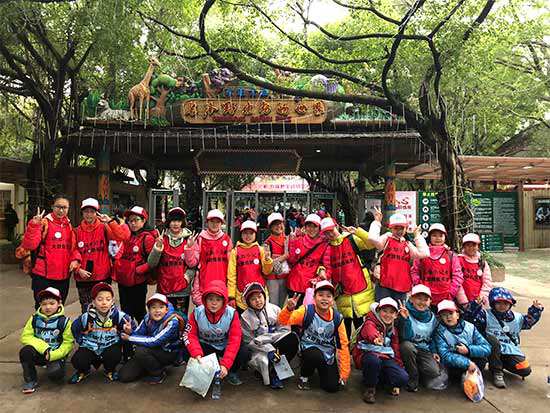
<point>473,385</point>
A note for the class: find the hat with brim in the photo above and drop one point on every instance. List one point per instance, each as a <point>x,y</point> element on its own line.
<point>446,305</point>
<point>274,217</point>
<point>49,292</point>
<point>324,285</point>
<point>137,210</point>
<point>215,214</point>
<point>157,297</point>
<point>388,302</point>
<point>90,203</point>
<point>421,289</point>
<point>471,238</point>
<point>102,286</point>
<point>313,219</point>
<point>437,227</point>
<point>398,220</point>
<point>327,224</point>
<point>249,225</point>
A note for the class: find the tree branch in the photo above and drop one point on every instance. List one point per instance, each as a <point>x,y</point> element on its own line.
<point>371,8</point>
<point>480,19</point>
<point>446,19</point>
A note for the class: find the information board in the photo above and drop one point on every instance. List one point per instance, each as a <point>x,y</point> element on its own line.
<point>428,211</point>
<point>493,242</point>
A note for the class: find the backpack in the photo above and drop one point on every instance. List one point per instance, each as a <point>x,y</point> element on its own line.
<point>182,322</point>
<point>354,336</point>
<point>28,258</point>
<point>337,319</point>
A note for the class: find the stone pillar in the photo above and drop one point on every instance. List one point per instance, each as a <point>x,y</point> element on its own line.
<point>389,192</point>
<point>103,161</point>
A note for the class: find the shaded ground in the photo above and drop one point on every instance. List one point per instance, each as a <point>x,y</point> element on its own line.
<point>532,264</point>
<point>96,394</point>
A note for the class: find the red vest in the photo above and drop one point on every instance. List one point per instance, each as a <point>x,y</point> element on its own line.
<point>276,249</point>
<point>436,274</point>
<point>302,273</point>
<point>473,278</point>
<point>55,251</point>
<point>171,268</point>
<point>213,261</point>
<point>395,267</point>
<point>249,267</point>
<point>346,269</point>
<point>134,254</point>
<point>92,246</point>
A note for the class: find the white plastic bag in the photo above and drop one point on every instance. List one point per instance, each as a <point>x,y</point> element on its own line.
<point>198,376</point>
<point>473,386</point>
<point>440,382</point>
<point>283,369</point>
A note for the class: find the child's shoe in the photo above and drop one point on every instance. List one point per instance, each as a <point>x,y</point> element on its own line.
<point>369,396</point>
<point>111,375</point>
<point>412,386</point>
<point>77,377</point>
<point>29,387</point>
<point>234,379</point>
<point>303,383</point>
<point>276,383</point>
<point>395,391</point>
<point>156,379</point>
<point>498,380</point>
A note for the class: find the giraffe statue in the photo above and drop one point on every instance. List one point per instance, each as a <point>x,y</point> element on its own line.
<point>141,91</point>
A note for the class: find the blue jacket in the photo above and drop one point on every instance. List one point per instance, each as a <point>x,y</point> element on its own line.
<point>164,334</point>
<point>417,327</point>
<point>89,332</point>
<point>477,315</point>
<point>447,338</point>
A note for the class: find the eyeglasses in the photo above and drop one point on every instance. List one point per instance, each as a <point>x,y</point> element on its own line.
<point>61,207</point>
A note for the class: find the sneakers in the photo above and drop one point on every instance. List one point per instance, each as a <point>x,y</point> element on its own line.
<point>234,379</point>
<point>29,387</point>
<point>78,377</point>
<point>156,379</point>
<point>412,386</point>
<point>395,391</point>
<point>369,395</point>
<point>303,383</point>
<point>111,375</point>
<point>498,380</point>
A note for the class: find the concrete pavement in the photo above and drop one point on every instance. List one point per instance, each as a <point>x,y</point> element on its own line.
<point>96,394</point>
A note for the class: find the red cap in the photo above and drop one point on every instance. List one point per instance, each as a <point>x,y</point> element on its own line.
<point>50,292</point>
<point>90,203</point>
<point>102,286</point>
<point>157,297</point>
<point>137,210</point>
<point>327,224</point>
<point>324,284</point>
<point>314,219</point>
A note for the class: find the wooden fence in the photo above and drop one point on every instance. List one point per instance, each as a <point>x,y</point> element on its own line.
<point>533,236</point>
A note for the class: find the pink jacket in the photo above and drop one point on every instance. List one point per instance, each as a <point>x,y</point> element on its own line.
<point>192,259</point>
<point>379,242</point>
<point>485,287</point>
<point>435,252</point>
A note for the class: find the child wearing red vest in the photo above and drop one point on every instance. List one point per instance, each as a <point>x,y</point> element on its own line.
<point>174,279</point>
<point>441,271</point>
<point>131,269</point>
<point>308,257</point>
<point>278,244</point>
<point>248,263</point>
<point>210,251</point>
<point>51,241</point>
<point>395,268</point>
<point>92,242</point>
<point>355,290</point>
<point>477,273</point>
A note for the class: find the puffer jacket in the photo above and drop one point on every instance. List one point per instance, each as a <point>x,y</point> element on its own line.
<point>152,333</point>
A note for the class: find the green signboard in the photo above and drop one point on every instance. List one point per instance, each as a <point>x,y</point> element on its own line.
<point>493,242</point>
<point>494,213</point>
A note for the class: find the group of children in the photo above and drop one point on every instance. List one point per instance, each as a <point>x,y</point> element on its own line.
<point>240,312</point>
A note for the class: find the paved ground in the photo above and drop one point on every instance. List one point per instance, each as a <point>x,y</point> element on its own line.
<point>98,395</point>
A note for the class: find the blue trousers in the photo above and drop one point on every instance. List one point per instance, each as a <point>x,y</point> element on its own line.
<point>383,292</point>
<point>382,371</point>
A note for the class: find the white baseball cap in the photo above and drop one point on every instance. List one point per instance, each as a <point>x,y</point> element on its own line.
<point>398,220</point>
<point>274,217</point>
<point>314,219</point>
<point>437,227</point>
<point>157,297</point>
<point>215,213</point>
<point>324,284</point>
<point>471,238</point>
<point>327,224</point>
<point>388,301</point>
<point>50,291</point>
<point>90,203</point>
<point>249,225</point>
<point>446,305</point>
<point>421,289</point>
<point>137,210</point>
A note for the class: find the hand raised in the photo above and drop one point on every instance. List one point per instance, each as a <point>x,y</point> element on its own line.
<point>127,327</point>
<point>37,219</point>
<point>159,242</point>
<point>403,310</point>
<point>292,302</point>
<point>350,230</point>
<point>104,218</point>
<point>537,304</point>
<point>377,214</point>
<point>417,231</point>
<point>191,240</point>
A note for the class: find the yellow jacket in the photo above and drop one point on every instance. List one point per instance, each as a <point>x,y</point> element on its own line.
<point>356,305</point>
<point>232,290</point>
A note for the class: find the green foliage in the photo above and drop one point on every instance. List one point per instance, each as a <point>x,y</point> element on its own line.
<point>491,260</point>
<point>159,122</point>
<point>89,103</point>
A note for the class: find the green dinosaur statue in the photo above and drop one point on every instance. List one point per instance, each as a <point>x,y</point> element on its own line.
<point>167,81</point>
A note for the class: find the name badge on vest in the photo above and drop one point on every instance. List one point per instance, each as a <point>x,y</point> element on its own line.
<point>442,260</point>
<point>218,330</point>
<point>136,248</point>
<point>56,332</point>
<point>80,244</point>
<point>224,243</point>
<point>321,330</point>
<point>297,251</point>
<point>256,261</point>
<point>406,250</point>
<point>479,272</point>
<point>183,256</point>
<point>57,235</point>
<point>506,329</point>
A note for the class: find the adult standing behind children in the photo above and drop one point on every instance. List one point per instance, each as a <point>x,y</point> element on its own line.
<point>441,271</point>
<point>131,269</point>
<point>394,271</point>
<point>92,242</point>
<point>278,244</point>
<point>308,257</point>
<point>209,250</point>
<point>52,244</point>
<point>174,279</point>
<point>354,288</point>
